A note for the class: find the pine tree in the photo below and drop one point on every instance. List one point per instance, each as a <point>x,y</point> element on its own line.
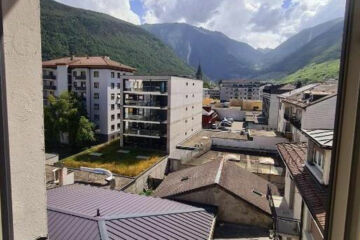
<point>199,74</point>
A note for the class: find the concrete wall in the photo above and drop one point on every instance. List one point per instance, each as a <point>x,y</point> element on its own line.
<point>141,182</point>
<point>258,143</point>
<point>273,112</point>
<point>21,70</point>
<point>185,108</point>
<point>230,208</point>
<point>232,112</point>
<point>294,195</point>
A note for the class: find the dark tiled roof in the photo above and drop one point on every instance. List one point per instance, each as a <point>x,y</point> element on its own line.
<point>223,173</point>
<point>321,92</point>
<point>100,62</point>
<point>279,89</point>
<point>72,214</point>
<point>314,194</point>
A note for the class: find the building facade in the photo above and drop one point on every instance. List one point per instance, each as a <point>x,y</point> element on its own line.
<point>270,106</point>
<point>160,111</point>
<point>240,89</point>
<point>310,107</point>
<point>213,93</point>
<point>301,213</point>
<point>97,81</point>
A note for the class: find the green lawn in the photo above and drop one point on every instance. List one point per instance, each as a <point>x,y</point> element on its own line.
<point>119,163</point>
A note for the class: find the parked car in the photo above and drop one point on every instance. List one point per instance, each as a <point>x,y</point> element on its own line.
<point>225,123</point>
<point>228,119</point>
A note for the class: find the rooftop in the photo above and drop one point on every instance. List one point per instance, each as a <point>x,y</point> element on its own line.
<point>83,212</point>
<point>314,194</point>
<point>262,133</point>
<point>100,62</point>
<point>312,95</point>
<point>279,89</point>
<point>323,137</point>
<point>225,174</point>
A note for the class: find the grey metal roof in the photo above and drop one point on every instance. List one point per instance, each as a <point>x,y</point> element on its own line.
<point>323,137</point>
<point>72,214</point>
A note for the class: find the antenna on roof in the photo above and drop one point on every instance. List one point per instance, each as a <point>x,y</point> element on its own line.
<point>98,212</point>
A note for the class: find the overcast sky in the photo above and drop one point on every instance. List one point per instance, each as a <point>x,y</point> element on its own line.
<point>260,23</point>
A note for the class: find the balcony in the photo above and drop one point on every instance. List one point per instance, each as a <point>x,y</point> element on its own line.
<point>283,222</point>
<point>81,88</point>
<point>296,122</point>
<point>80,77</point>
<point>151,118</point>
<point>144,132</point>
<point>140,103</point>
<point>47,87</point>
<point>49,76</point>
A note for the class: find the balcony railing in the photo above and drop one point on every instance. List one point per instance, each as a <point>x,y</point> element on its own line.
<point>296,122</point>
<point>144,103</point>
<point>47,87</point>
<point>80,77</point>
<point>282,225</point>
<point>49,76</point>
<point>153,118</point>
<point>144,132</point>
<point>80,88</point>
<point>148,89</point>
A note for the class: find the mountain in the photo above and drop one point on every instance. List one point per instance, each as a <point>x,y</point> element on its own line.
<point>219,56</point>
<point>313,72</point>
<point>299,40</point>
<point>71,31</point>
<point>323,47</point>
<point>224,58</point>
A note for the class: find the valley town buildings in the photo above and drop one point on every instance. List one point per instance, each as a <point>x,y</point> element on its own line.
<point>160,111</point>
<point>240,89</point>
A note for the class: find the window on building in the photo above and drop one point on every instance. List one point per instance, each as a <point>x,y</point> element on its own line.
<point>118,116</point>
<point>118,75</point>
<point>112,96</point>
<point>112,127</point>
<point>187,83</point>
<point>112,85</point>
<point>112,117</point>
<point>118,106</point>
<point>75,84</point>
<point>118,85</point>
<point>96,74</point>
<point>96,106</point>
<point>112,74</point>
<point>96,85</point>
<point>118,126</point>
<point>112,106</point>
<point>186,96</point>
<point>96,117</point>
<point>96,95</point>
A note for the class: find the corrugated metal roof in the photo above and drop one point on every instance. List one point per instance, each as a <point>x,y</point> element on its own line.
<point>72,214</point>
<point>324,137</point>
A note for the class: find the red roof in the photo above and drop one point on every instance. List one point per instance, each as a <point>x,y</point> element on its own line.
<point>101,62</point>
<point>313,193</point>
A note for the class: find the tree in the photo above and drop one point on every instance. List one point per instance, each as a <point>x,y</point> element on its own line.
<point>199,74</point>
<point>66,115</point>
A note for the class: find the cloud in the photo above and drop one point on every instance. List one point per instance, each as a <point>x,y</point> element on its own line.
<point>117,8</point>
<point>261,23</point>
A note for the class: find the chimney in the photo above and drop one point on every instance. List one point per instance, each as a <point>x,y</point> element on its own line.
<point>62,177</point>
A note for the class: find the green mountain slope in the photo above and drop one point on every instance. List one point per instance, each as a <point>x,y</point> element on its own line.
<point>220,56</point>
<point>71,31</point>
<point>315,73</point>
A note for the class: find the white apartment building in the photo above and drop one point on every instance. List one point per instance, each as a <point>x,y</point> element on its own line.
<point>270,107</point>
<point>310,107</point>
<point>97,80</point>
<point>240,89</point>
<point>213,93</point>
<point>301,213</point>
<point>160,111</point>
